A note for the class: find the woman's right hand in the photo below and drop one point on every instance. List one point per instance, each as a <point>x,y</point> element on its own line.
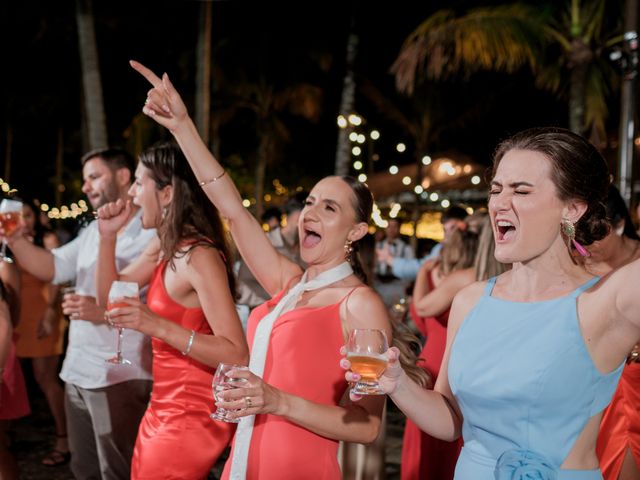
<point>113,216</point>
<point>388,381</point>
<point>163,103</point>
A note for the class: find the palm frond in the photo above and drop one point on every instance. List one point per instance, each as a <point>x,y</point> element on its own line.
<point>550,77</point>
<point>503,38</point>
<point>593,19</point>
<point>303,99</point>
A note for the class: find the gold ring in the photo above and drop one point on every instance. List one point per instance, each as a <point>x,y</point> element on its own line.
<point>247,400</point>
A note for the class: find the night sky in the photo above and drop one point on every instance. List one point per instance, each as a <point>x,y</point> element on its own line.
<point>281,43</point>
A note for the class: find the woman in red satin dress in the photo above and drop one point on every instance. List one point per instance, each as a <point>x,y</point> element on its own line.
<point>190,314</point>
<point>297,400</point>
<point>14,402</point>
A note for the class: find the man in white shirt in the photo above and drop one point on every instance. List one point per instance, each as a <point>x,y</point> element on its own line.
<point>104,402</point>
<point>390,287</point>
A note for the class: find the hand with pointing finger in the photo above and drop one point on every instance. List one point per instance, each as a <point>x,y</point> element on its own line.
<point>163,103</point>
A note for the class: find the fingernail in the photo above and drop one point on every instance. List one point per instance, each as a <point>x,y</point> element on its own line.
<point>166,108</point>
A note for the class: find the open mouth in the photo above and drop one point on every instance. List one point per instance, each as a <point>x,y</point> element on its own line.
<point>505,230</point>
<point>310,238</point>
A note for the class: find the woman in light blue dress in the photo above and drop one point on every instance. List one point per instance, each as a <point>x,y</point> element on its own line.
<point>533,356</point>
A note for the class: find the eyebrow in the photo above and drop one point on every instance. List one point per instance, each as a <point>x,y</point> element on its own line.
<point>327,201</point>
<point>513,184</point>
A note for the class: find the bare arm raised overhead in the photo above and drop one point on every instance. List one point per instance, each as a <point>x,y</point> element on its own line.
<point>164,105</point>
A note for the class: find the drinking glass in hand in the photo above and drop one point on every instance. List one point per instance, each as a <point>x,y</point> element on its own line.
<point>365,351</point>
<point>118,292</point>
<point>10,220</point>
<point>222,382</point>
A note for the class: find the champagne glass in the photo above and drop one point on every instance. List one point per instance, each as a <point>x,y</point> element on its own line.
<point>222,382</point>
<point>365,351</point>
<point>10,220</point>
<point>118,292</point>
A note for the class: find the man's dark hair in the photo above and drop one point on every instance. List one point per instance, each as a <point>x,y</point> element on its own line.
<point>272,212</point>
<point>295,202</point>
<point>454,213</point>
<point>114,158</point>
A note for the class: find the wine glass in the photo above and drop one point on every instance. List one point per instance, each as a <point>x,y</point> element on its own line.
<point>365,351</point>
<point>118,292</point>
<point>10,220</point>
<point>222,382</point>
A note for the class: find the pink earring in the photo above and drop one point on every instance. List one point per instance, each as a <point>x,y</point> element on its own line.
<point>570,231</point>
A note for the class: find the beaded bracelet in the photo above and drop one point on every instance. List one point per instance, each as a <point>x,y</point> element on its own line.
<point>213,180</point>
<point>189,343</point>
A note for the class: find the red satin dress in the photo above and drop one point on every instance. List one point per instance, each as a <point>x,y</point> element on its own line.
<point>620,426</point>
<point>176,438</point>
<point>303,359</point>
<point>14,402</point>
<point>423,456</point>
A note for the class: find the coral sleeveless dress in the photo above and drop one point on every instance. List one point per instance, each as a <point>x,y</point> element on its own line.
<point>620,427</point>
<point>527,386</point>
<point>34,299</point>
<point>303,359</point>
<point>423,456</point>
<point>176,438</point>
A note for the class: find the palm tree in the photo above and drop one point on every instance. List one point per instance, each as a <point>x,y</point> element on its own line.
<point>268,103</point>
<point>96,126</point>
<point>564,53</point>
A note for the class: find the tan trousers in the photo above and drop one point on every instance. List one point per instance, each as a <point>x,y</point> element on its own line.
<point>102,425</point>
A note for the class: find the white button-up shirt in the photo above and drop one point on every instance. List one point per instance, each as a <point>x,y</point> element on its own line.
<point>90,345</point>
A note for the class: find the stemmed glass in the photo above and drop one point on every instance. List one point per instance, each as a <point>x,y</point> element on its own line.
<point>10,220</point>
<point>118,292</point>
<point>222,382</point>
<point>365,351</point>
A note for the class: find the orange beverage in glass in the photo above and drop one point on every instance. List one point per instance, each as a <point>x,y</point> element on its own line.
<point>368,367</point>
<point>365,351</point>
<point>10,221</point>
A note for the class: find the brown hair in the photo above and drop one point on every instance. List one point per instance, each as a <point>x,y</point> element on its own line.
<point>403,339</point>
<point>190,216</point>
<point>485,264</point>
<point>114,158</point>
<point>363,206</point>
<point>579,172</point>
<point>459,251</point>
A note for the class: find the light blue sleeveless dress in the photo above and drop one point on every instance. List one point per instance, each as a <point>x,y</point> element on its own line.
<point>526,385</point>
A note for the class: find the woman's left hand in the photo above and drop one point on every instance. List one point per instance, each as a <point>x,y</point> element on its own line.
<point>256,397</point>
<point>135,316</point>
<point>47,322</point>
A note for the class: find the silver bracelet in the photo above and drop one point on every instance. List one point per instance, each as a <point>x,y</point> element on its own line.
<point>189,343</point>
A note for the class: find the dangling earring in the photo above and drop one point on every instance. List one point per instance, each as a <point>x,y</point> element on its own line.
<point>165,211</point>
<point>569,230</point>
<point>348,250</point>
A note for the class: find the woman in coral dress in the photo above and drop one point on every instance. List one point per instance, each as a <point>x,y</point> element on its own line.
<point>190,314</point>
<point>291,410</point>
<point>40,332</point>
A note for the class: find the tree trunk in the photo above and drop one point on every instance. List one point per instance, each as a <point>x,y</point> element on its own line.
<point>343,151</point>
<point>8,154</point>
<point>203,74</point>
<point>261,168</point>
<point>59,166</point>
<point>95,124</point>
<point>577,98</point>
